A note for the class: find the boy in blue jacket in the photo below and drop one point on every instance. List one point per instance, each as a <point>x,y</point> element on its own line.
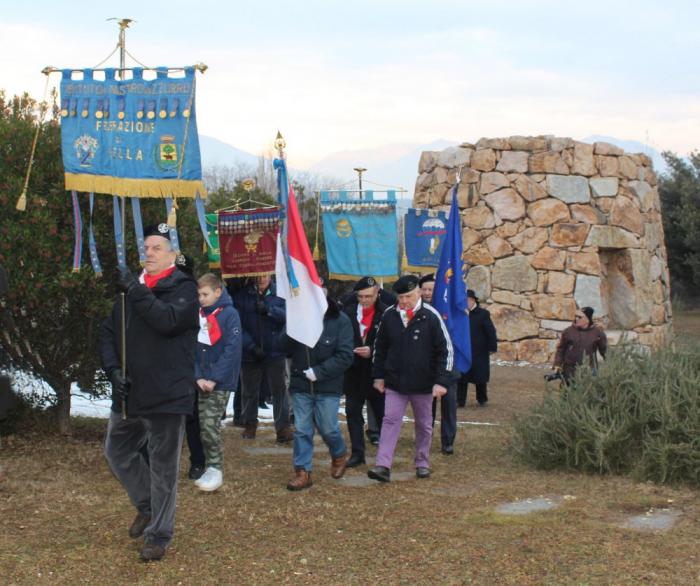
<point>217,366</point>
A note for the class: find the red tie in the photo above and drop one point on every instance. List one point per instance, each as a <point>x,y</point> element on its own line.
<point>409,314</point>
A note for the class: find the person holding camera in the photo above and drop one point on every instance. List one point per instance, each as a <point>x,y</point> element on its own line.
<point>263,318</point>
<point>578,342</point>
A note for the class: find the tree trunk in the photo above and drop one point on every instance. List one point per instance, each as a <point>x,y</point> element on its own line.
<point>63,407</point>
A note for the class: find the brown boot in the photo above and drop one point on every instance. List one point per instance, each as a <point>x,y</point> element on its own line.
<point>249,431</point>
<point>338,466</point>
<point>286,435</point>
<point>300,480</point>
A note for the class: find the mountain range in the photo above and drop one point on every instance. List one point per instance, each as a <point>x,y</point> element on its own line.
<point>388,166</point>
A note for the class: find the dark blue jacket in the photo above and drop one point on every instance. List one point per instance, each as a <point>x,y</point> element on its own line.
<point>261,330</point>
<point>330,357</point>
<point>221,362</point>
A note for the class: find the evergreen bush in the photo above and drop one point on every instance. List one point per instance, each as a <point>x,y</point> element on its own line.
<point>640,415</point>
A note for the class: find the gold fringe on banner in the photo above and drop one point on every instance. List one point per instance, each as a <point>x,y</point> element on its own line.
<point>261,274</point>
<point>419,270</point>
<point>135,187</point>
<point>340,277</point>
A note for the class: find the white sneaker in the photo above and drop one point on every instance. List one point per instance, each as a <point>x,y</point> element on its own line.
<point>211,480</point>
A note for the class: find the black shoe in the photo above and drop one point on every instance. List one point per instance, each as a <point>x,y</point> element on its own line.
<point>355,460</point>
<point>139,524</point>
<point>483,403</point>
<point>422,472</point>
<point>374,440</point>
<point>151,552</point>
<point>448,449</point>
<point>381,473</point>
<point>195,472</point>
<point>461,405</point>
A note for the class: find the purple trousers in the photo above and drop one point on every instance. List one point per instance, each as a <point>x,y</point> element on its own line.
<point>394,409</point>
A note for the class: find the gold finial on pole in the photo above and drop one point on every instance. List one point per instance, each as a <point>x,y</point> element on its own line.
<point>280,144</point>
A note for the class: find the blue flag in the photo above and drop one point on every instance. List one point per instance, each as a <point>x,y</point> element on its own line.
<point>450,294</point>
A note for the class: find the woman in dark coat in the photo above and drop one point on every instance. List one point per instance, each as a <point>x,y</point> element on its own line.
<point>484,342</point>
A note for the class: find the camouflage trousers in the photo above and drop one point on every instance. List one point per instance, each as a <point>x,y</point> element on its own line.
<point>211,409</point>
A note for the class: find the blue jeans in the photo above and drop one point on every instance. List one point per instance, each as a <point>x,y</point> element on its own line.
<point>320,410</point>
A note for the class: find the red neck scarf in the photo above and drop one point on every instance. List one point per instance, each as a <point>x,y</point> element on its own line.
<point>152,280</point>
<point>210,331</point>
<point>409,314</point>
<point>366,321</point>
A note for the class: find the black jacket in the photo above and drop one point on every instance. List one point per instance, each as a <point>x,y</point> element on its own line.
<point>329,358</point>
<point>484,341</point>
<point>414,358</point>
<point>161,337</point>
<point>358,378</point>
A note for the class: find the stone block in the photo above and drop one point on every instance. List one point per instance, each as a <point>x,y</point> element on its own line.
<point>514,274</point>
<point>529,189</point>
<point>427,161</point>
<point>658,315</point>
<point>536,351</point>
<point>548,162</point>
<point>492,181</point>
<point>586,214</point>
<point>644,193</point>
<point>558,144</point>
<point>628,168</point>
<point>508,229</point>
<point>584,262</point>
<point>513,161</point>
<point>507,204</point>
<point>608,166</point>
<point>467,195</point>
<point>569,189</point>
<point>507,298</point>
<point>479,280</point>
<point>468,176</point>
<point>605,204</point>
<point>546,212</point>
<point>556,325</point>
<point>507,351</point>
<point>469,238</point>
<point>566,235</point>
<point>499,144</point>
<point>583,163</point>
<point>548,258</point>
<point>513,323</point>
<point>478,255</point>
<point>560,283</point>
<point>527,143</point>
<point>587,293</point>
<point>553,307</point>
<point>498,247</point>
<point>605,148</point>
<point>611,237</point>
<point>483,160</point>
<point>437,194</point>
<point>604,186</point>
<point>454,157</point>
<point>529,240</point>
<point>479,218</point>
<point>624,213</point>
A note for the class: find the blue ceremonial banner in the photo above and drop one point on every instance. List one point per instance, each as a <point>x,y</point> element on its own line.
<point>450,293</point>
<point>134,137</point>
<point>424,237</point>
<point>360,235</point>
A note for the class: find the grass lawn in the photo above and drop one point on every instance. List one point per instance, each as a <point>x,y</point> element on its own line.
<point>63,517</point>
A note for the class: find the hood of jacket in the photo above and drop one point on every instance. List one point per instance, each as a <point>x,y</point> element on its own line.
<point>223,301</point>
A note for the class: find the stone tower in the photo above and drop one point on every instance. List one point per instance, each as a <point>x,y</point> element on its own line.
<point>550,224</point>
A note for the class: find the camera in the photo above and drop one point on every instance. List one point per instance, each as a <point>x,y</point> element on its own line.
<point>553,376</point>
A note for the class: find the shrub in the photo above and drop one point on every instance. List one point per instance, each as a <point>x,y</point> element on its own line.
<point>640,416</point>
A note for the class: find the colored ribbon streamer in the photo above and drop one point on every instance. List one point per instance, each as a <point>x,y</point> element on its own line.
<point>202,217</point>
<point>138,228</point>
<point>78,224</point>
<point>118,233</point>
<point>283,186</point>
<point>173,231</point>
<point>94,259</point>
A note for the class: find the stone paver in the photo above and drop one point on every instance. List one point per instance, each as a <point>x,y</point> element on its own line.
<point>527,506</point>
<point>653,520</point>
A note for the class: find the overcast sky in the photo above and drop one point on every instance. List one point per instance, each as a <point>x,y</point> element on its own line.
<point>350,75</point>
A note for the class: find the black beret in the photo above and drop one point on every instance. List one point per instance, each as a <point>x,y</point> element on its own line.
<point>185,263</point>
<point>470,293</point>
<point>364,283</point>
<point>405,284</point>
<point>429,278</point>
<point>588,312</point>
<point>161,229</point>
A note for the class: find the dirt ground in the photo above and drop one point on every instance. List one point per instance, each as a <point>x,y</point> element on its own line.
<point>64,518</point>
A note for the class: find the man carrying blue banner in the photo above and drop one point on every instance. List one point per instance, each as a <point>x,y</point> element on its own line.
<point>450,300</point>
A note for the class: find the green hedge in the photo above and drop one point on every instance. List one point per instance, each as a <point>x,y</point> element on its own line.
<point>640,416</point>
